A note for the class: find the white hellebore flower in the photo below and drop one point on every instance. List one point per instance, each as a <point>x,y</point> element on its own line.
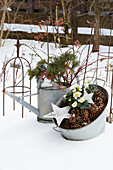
<point>64,96</point>
<point>69,100</point>
<point>74,90</point>
<point>81,100</point>
<point>77,94</point>
<point>86,84</point>
<point>74,104</point>
<point>79,88</point>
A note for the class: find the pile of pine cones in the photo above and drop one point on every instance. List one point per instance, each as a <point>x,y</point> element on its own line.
<point>84,117</point>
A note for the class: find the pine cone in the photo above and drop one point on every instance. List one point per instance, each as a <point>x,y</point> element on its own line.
<point>72,119</point>
<point>93,112</point>
<point>85,113</point>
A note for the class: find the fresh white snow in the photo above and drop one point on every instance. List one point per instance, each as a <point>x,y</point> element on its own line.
<point>26,144</point>
<point>30,28</point>
<point>105,32</point>
<point>35,29</point>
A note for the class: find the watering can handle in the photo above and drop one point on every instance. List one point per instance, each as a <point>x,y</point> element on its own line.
<point>100,80</point>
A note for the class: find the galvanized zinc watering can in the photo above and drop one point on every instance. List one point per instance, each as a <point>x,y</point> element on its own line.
<point>45,96</point>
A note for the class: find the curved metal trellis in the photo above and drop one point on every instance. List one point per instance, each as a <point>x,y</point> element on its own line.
<point>24,89</point>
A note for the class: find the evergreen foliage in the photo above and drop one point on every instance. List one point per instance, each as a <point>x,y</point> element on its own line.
<point>60,69</point>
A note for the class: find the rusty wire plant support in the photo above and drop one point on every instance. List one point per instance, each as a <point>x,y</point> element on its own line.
<point>14,86</point>
<point>108,80</point>
<point>108,71</point>
<point>110,118</point>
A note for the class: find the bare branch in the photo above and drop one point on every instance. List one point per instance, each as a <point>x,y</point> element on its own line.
<point>90,8</point>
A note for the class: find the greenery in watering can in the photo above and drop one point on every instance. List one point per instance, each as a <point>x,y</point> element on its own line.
<point>60,69</point>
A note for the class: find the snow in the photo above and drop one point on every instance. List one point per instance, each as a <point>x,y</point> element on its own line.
<point>30,28</point>
<point>84,30</point>
<point>8,9</point>
<point>26,144</point>
<point>35,29</point>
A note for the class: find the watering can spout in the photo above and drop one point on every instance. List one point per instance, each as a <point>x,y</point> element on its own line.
<point>23,103</point>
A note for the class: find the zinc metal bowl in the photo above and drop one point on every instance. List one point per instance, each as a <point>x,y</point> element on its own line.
<point>90,131</point>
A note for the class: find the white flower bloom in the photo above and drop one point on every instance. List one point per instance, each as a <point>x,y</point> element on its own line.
<point>74,90</point>
<point>86,84</point>
<point>64,96</point>
<point>79,88</point>
<point>74,104</point>
<point>77,94</point>
<point>69,100</point>
<point>81,100</point>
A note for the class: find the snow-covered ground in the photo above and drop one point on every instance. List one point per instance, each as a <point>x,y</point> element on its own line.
<point>26,144</point>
